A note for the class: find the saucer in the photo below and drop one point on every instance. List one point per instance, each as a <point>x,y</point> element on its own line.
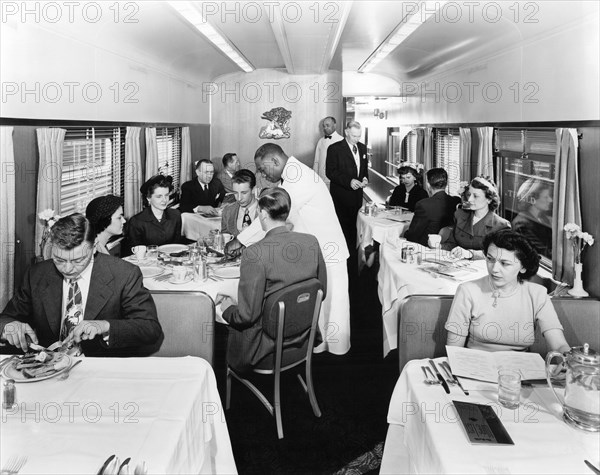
<point>185,281</point>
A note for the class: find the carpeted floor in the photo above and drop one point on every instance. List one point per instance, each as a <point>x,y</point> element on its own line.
<point>353,392</point>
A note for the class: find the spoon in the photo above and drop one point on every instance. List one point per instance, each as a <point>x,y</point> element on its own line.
<point>66,374</point>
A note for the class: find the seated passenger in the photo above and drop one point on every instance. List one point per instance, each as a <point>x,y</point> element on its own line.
<point>409,191</point>
<point>534,221</point>
<point>267,267</point>
<point>501,311</point>
<point>236,216</point>
<point>105,215</point>
<point>472,224</point>
<point>203,194</point>
<point>156,224</point>
<point>231,164</point>
<point>97,303</point>
<point>434,213</point>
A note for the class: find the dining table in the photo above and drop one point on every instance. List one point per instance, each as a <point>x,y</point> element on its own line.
<point>425,434</point>
<point>378,227</point>
<point>194,225</point>
<point>398,279</point>
<point>164,412</point>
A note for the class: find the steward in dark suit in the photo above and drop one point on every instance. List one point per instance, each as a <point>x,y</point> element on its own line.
<point>280,259</point>
<point>434,213</point>
<point>118,316</point>
<point>205,191</point>
<point>347,167</point>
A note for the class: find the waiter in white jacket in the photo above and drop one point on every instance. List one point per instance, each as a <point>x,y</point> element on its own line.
<point>312,212</point>
<point>330,136</point>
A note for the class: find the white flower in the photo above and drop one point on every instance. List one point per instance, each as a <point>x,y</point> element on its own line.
<point>573,230</point>
<point>587,238</point>
<point>46,215</point>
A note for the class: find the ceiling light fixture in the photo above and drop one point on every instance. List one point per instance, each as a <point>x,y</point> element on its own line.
<point>191,14</point>
<point>402,31</point>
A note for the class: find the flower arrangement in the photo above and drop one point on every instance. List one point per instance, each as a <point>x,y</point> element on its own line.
<point>48,218</point>
<point>579,238</point>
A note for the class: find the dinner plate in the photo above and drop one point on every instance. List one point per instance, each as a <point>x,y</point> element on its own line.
<point>189,278</point>
<point>151,271</point>
<point>10,372</point>
<point>169,248</point>
<point>231,272</point>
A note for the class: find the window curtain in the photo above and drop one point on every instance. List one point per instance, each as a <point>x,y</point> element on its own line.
<point>50,146</point>
<point>7,215</point>
<point>151,153</point>
<point>133,171</point>
<point>420,145</point>
<point>464,154</point>
<point>185,170</point>
<point>428,148</point>
<point>566,207</point>
<point>485,152</point>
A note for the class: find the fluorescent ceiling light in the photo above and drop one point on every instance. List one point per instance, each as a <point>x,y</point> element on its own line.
<point>402,31</point>
<point>195,18</point>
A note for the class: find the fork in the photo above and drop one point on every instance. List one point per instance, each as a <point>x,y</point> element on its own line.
<point>14,464</point>
<point>429,380</point>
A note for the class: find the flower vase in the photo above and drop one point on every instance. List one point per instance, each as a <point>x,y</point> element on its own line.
<point>577,290</point>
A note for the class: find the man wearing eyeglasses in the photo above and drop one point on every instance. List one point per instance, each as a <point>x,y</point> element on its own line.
<point>94,304</point>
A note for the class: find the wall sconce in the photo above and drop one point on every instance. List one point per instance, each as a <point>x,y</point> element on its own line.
<point>376,112</point>
<point>382,115</point>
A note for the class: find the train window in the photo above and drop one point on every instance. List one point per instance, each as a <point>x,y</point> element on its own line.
<point>526,158</point>
<point>168,141</point>
<point>93,165</point>
<point>447,156</point>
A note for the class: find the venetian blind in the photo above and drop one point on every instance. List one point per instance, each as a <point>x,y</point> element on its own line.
<point>168,140</point>
<point>447,156</point>
<point>92,165</point>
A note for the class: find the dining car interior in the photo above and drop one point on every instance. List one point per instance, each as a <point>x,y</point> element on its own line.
<point>334,237</point>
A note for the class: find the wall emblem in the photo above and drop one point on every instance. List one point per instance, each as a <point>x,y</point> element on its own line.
<point>278,126</point>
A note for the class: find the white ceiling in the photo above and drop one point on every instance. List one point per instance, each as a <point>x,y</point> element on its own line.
<point>289,36</point>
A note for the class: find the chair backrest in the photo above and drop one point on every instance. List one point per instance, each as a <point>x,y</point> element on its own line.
<point>187,320</point>
<point>290,317</point>
<point>421,319</point>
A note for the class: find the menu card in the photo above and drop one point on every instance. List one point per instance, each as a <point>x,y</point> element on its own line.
<point>481,424</point>
<point>484,365</point>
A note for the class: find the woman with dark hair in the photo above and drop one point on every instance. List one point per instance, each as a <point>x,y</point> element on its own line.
<point>409,191</point>
<point>105,215</point>
<point>475,220</point>
<point>501,311</point>
<point>156,224</point>
<point>534,218</point>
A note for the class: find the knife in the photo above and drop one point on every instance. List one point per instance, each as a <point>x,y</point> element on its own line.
<point>446,366</point>
<point>440,377</point>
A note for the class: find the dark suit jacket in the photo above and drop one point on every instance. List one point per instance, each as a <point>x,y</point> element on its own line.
<point>268,266</point>
<point>229,219</point>
<point>144,228</point>
<point>431,215</point>
<point>416,194</point>
<point>192,195</point>
<point>340,168</point>
<point>469,236</point>
<point>226,180</point>
<point>116,294</point>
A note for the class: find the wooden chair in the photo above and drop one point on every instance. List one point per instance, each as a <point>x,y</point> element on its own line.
<point>187,320</point>
<point>290,314</point>
<point>421,319</point>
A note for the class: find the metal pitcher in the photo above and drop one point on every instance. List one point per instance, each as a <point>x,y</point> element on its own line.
<point>581,404</point>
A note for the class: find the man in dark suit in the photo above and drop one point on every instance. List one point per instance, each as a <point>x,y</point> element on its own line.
<point>435,212</point>
<point>203,194</point>
<point>95,303</point>
<point>280,259</point>
<point>347,167</point>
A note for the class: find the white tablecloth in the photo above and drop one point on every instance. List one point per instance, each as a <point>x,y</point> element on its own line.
<point>379,227</point>
<point>193,226</point>
<point>165,411</point>
<point>397,280</point>
<point>436,442</point>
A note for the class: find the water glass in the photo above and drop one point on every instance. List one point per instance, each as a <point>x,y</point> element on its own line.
<point>509,388</point>
<point>152,253</point>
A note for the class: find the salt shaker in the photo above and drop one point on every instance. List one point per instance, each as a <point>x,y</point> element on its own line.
<point>9,394</point>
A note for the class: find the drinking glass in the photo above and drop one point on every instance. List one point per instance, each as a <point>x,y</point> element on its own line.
<point>152,254</point>
<point>509,388</point>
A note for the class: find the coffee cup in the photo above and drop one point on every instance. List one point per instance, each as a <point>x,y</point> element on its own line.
<point>226,237</point>
<point>179,273</point>
<point>139,252</point>
<point>434,240</point>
